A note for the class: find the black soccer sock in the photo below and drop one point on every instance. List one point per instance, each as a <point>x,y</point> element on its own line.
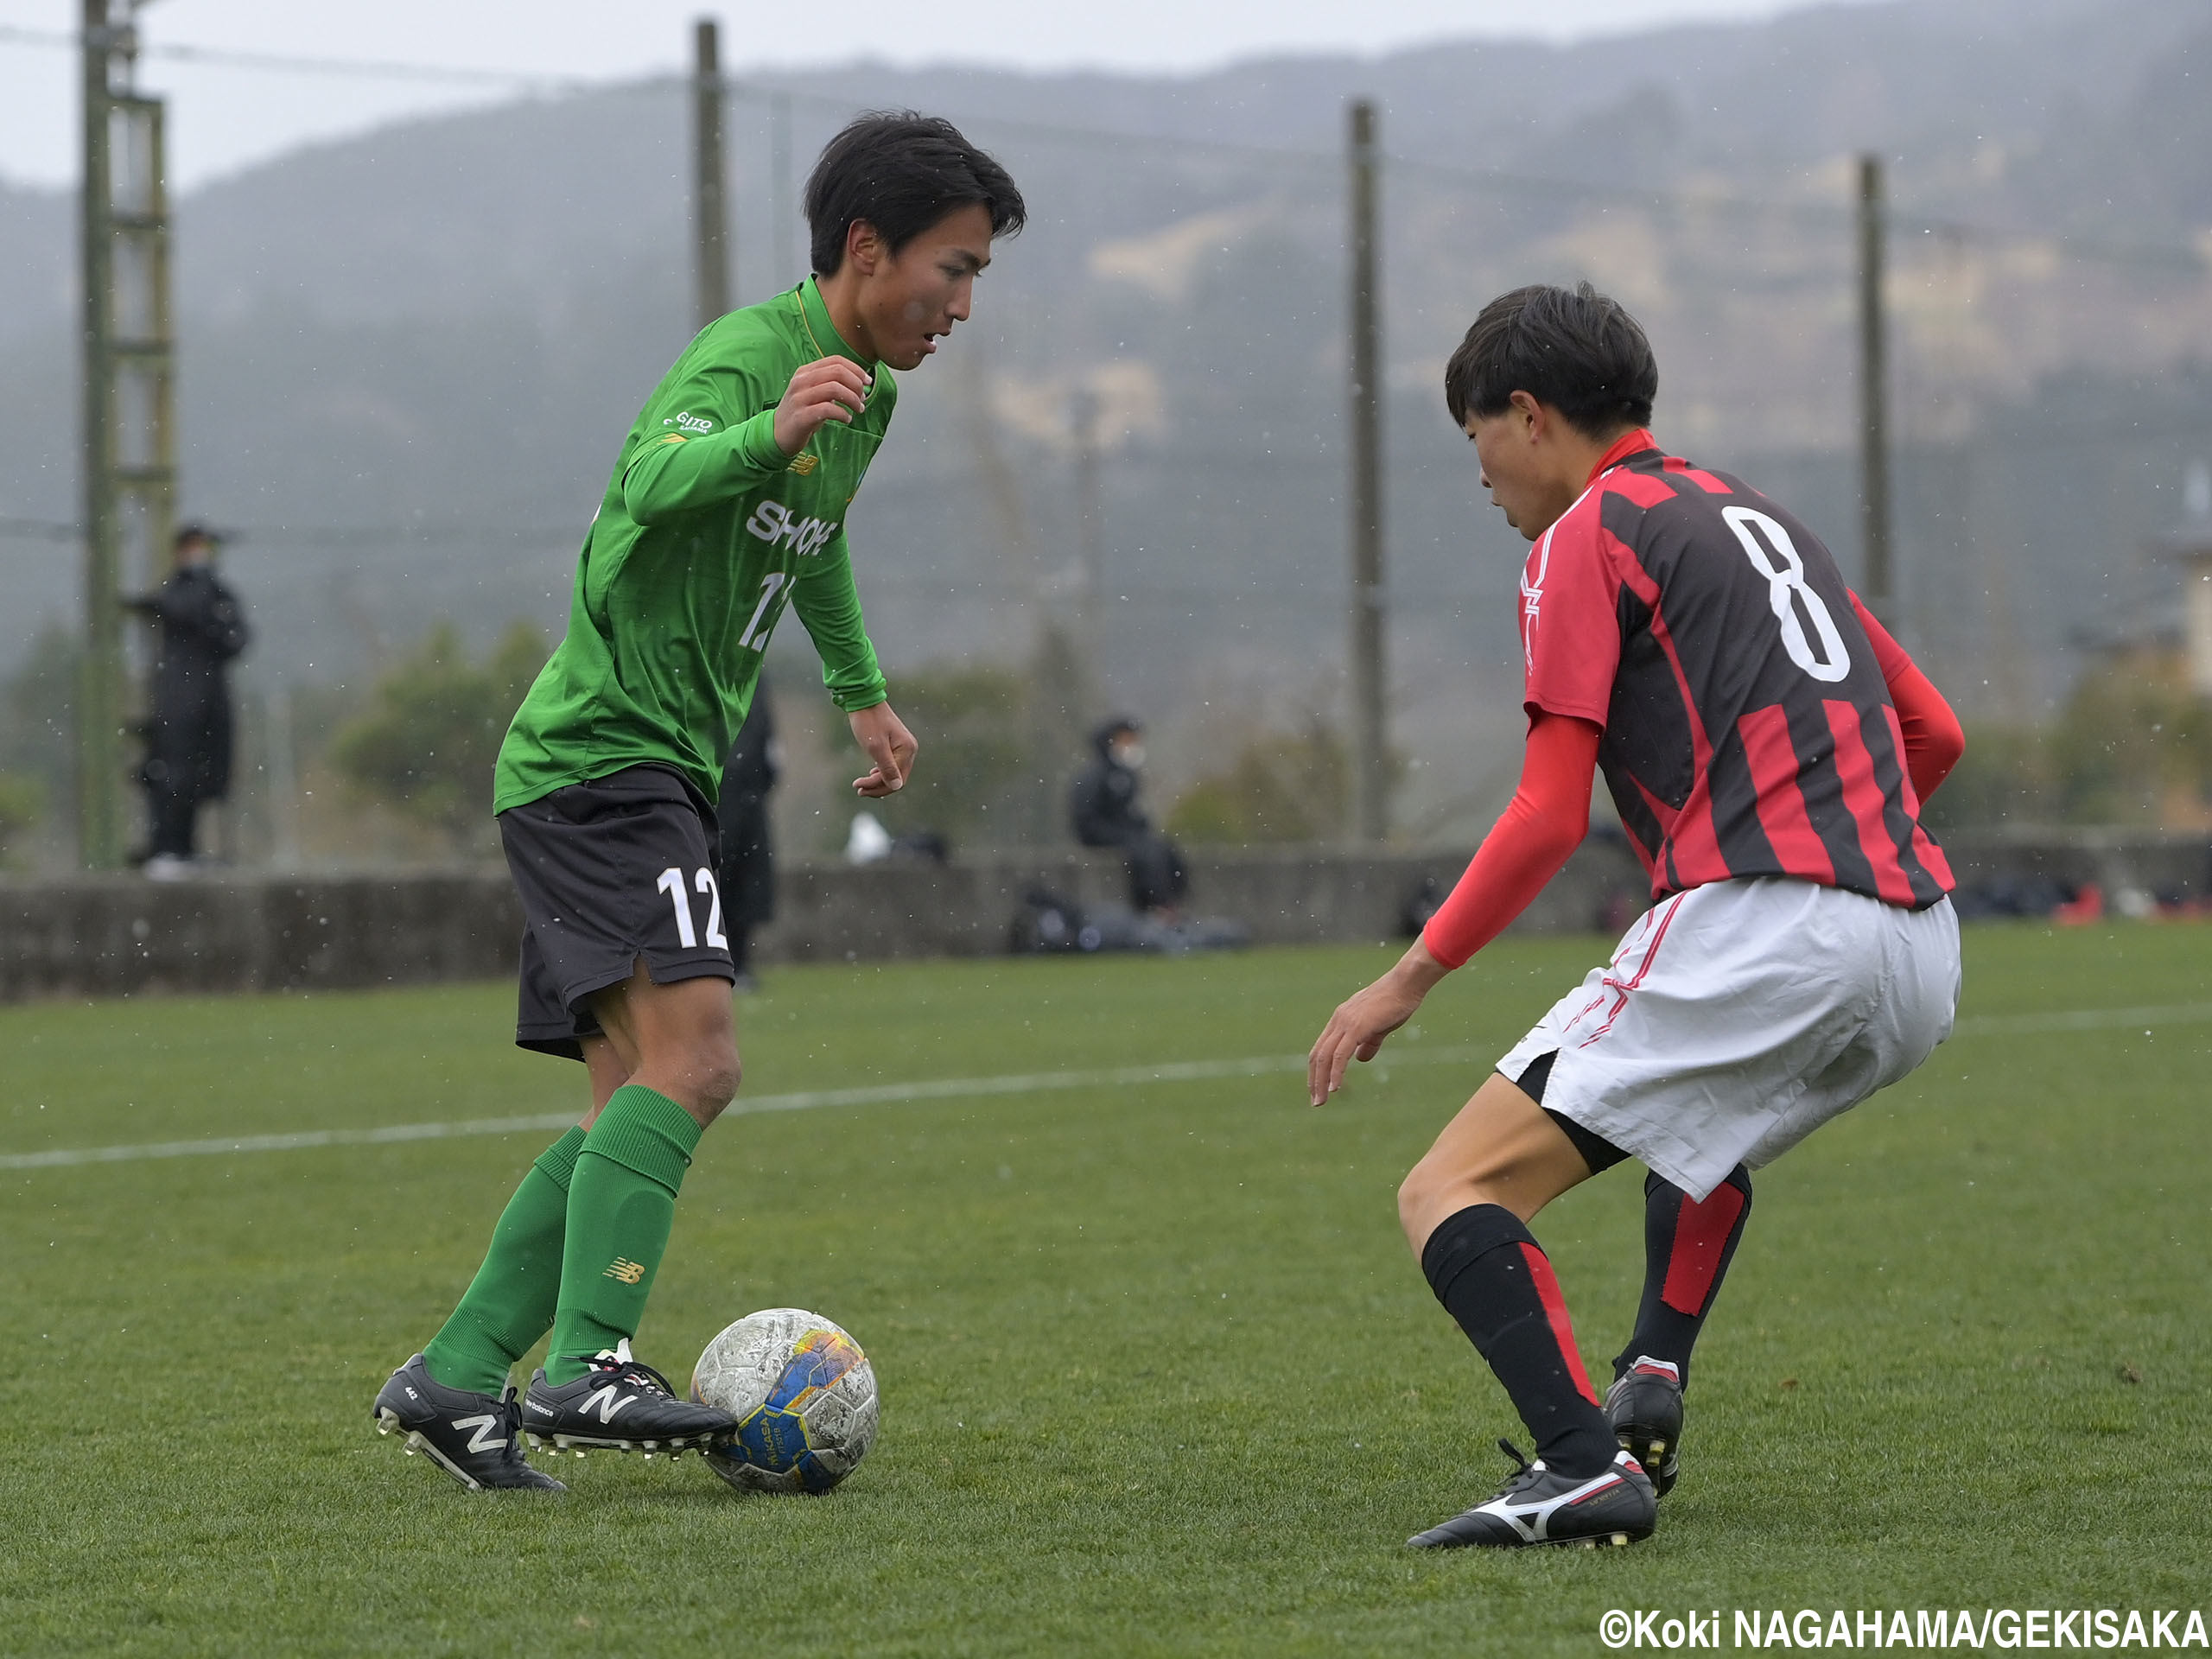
<point>1686,1250</point>
<point>1488,1271</point>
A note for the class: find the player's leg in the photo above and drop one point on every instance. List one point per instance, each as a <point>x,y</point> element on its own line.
<point>678,1045</point>
<point>1687,1246</point>
<point>510,1302</point>
<point>1465,1209</point>
<point>675,1046</point>
<point>454,1400</point>
<point>1717,1055</point>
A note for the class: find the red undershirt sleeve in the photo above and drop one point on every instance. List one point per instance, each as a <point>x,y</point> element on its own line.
<point>1546,821</point>
<point>1933,738</point>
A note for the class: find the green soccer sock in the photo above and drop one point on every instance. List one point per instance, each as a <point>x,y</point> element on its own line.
<point>511,1301</point>
<point>621,1204</point>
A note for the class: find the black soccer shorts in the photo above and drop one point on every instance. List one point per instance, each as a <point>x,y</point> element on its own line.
<point>610,871</point>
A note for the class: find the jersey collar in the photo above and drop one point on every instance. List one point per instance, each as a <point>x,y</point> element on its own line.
<point>820,329</point>
<point>1628,444</point>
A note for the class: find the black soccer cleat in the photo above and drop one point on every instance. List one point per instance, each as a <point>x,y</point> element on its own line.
<point>1536,1506</point>
<point>1645,1406</point>
<point>623,1405</point>
<point>473,1437</point>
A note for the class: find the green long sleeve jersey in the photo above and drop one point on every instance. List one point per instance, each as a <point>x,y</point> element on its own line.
<point>706,532</point>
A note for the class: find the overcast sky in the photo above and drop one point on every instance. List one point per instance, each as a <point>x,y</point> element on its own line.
<point>225,118</point>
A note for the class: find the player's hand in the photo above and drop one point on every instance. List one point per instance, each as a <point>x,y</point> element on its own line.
<point>828,389</point>
<point>883,737</point>
<point>1357,1029</point>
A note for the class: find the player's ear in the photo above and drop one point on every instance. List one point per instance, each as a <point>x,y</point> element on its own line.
<point>863,247</point>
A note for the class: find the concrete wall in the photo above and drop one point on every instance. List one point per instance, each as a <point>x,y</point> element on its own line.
<point>2116,860</point>
<point>116,936</point>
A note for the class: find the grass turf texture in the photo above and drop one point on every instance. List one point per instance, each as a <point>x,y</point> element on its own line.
<point>1158,1374</point>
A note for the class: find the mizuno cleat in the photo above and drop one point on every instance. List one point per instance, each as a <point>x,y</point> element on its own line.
<point>1645,1406</point>
<point>622,1405</point>
<point>473,1437</point>
<point>1536,1506</point>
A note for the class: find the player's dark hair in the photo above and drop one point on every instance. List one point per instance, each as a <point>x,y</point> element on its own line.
<point>902,173</point>
<point>1571,349</point>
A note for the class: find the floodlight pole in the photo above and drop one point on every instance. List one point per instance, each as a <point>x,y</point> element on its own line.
<point>1090,560</point>
<point>1873,399</point>
<point>711,214</point>
<point>128,375</point>
<point>779,164</point>
<point>1369,730</point>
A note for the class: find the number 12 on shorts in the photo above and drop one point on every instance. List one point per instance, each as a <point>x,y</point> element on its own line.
<point>672,883</point>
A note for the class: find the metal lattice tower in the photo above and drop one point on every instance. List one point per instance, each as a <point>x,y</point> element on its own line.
<point>129,449</point>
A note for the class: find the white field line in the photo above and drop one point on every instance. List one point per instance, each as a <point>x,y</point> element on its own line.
<point>887,1094</point>
<point>1030,1083</point>
<point>2030,1025</point>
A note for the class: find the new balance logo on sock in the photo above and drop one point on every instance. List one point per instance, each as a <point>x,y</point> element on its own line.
<point>481,1441</point>
<point>627,1271</point>
<point>606,1401</point>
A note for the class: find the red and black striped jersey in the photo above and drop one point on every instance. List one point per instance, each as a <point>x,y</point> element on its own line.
<point>1748,728</point>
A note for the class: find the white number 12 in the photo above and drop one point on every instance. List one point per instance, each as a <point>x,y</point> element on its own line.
<point>755,637</point>
<point>672,883</point>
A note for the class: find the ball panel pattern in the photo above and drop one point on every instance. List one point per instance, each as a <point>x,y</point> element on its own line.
<point>803,1395</point>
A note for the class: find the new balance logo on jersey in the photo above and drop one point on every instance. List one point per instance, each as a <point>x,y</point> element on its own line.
<point>606,1402</point>
<point>627,1271</point>
<point>773,522</point>
<point>481,1441</point>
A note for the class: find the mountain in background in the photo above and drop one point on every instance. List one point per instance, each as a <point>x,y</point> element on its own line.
<point>406,358</point>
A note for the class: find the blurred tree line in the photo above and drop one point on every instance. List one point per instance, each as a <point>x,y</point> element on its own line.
<point>38,748</point>
<point>2131,747</point>
<point>425,746</point>
<point>995,772</point>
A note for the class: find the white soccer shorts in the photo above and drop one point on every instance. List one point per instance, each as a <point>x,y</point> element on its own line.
<point>1737,1017</point>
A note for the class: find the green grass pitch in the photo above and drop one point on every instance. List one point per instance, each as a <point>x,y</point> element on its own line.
<point>1158,1374</point>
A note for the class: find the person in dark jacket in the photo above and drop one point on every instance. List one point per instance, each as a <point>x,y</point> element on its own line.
<point>189,721</point>
<point>748,864</point>
<point>1103,804</point>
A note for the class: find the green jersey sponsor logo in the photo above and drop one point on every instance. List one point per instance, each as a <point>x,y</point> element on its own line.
<point>773,522</point>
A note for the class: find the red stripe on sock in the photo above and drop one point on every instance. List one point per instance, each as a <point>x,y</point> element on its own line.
<point>1700,1232</point>
<point>1546,1283</point>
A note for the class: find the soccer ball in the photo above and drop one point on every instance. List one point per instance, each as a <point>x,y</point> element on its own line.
<point>804,1395</point>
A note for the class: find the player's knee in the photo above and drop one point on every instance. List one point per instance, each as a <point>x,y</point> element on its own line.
<point>1418,1197</point>
<point>717,1072</point>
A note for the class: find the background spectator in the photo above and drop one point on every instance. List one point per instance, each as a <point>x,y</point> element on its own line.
<point>189,720</point>
<point>1103,804</point>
